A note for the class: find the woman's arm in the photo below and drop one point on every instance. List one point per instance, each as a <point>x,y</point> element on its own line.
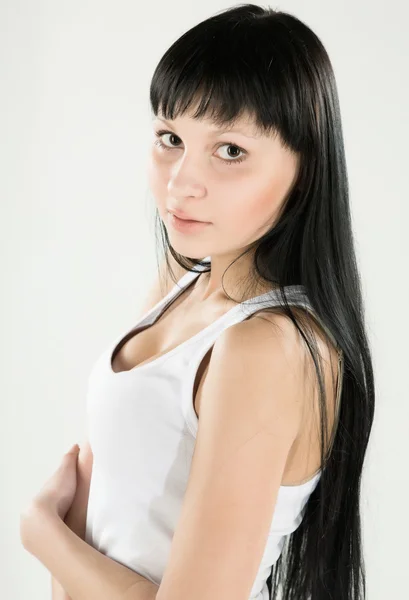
<point>77,515</point>
<point>82,571</point>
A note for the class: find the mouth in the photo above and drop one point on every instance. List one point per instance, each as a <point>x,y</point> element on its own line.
<point>186,225</point>
<point>181,217</point>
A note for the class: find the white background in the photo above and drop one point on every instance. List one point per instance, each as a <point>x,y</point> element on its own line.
<point>77,236</point>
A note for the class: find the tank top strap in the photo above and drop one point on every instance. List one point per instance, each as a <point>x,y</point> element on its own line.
<point>184,281</point>
<point>150,315</point>
<point>296,295</point>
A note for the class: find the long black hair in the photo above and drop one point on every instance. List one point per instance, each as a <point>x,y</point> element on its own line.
<point>254,60</point>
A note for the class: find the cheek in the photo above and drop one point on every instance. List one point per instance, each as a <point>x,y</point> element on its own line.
<point>251,205</point>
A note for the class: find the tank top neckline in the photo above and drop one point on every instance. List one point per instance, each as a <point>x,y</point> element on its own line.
<point>158,310</point>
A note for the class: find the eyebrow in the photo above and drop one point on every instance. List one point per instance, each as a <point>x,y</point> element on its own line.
<point>217,130</point>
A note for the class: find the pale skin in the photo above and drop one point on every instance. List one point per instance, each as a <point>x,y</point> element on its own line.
<point>241,200</point>
<point>261,359</point>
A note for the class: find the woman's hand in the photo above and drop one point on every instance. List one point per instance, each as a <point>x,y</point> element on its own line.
<point>54,499</point>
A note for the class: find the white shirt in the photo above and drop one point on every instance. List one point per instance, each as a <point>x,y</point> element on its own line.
<point>142,429</point>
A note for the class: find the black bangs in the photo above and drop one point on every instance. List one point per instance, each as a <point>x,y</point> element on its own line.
<point>229,68</point>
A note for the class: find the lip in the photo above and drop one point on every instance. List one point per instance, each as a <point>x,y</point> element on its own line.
<point>186,226</point>
<point>182,216</point>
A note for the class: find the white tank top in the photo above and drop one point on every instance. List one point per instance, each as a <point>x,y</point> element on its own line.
<point>142,430</point>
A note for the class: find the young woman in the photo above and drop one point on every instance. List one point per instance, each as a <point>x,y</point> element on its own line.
<point>228,427</point>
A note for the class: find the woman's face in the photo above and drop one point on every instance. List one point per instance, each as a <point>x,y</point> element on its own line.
<point>235,180</point>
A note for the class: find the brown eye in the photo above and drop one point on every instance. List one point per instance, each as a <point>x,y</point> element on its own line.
<point>160,144</point>
<point>236,151</point>
<point>173,139</point>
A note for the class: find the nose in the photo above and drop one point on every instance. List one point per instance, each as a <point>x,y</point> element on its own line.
<point>185,180</point>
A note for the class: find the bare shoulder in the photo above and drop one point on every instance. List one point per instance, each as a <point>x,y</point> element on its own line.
<point>258,367</point>
<point>267,356</point>
<point>280,346</point>
<point>283,324</point>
